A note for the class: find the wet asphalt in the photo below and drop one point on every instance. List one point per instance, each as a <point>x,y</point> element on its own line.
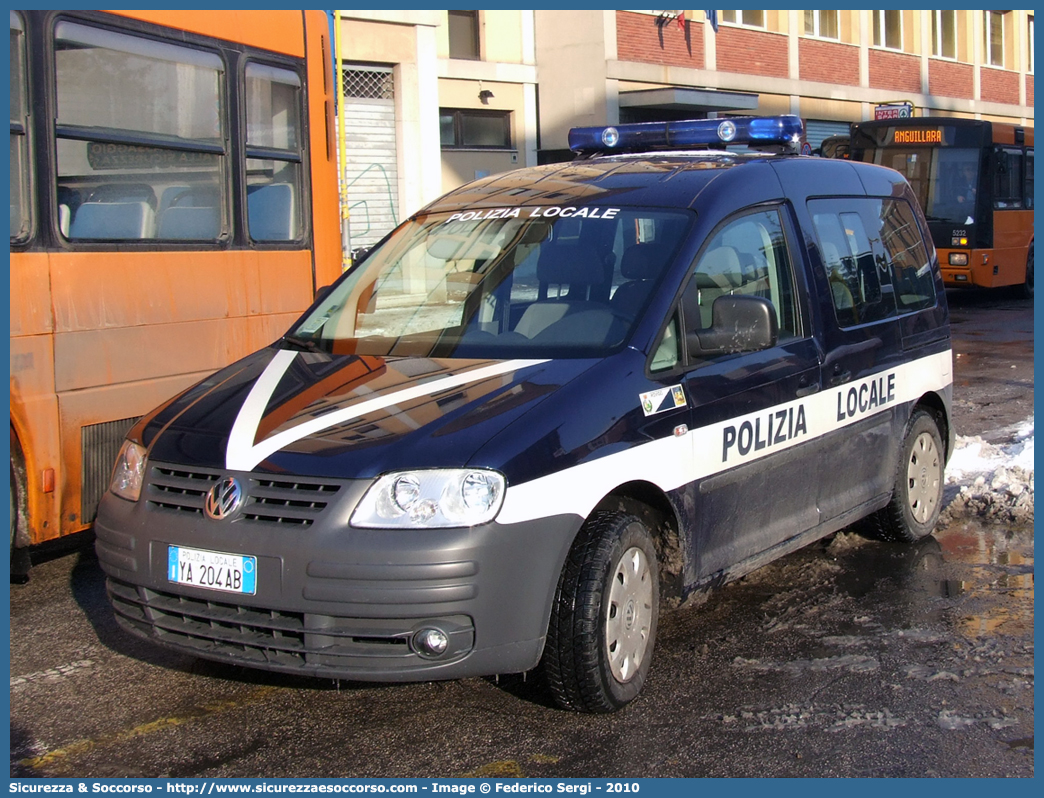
<point>847,658</point>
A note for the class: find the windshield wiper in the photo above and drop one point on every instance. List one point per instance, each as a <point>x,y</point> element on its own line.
<point>303,344</point>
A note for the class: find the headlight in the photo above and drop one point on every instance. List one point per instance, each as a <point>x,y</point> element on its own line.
<point>129,471</point>
<point>425,499</point>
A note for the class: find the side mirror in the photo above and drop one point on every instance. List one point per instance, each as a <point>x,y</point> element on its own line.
<point>322,291</point>
<point>738,324</point>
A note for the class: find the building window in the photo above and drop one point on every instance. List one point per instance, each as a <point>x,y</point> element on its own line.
<point>751,19</point>
<point>888,29</point>
<point>464,34</point>
<point>944,34</point>
<point>993,37</point>
<point>468,129</point>
<point>371,83</point>
<point>822,24</point>
<point>1029,45</point>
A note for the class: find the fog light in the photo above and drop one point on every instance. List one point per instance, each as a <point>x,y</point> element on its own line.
<point>961,278</point>
<point>958,258</point>
<point>432,642</point>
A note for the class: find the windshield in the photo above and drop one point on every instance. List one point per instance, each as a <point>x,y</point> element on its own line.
<point>500,283</point>
<point>945,179</point>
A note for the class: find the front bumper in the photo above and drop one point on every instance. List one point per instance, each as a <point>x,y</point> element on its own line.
<point>332,601</point>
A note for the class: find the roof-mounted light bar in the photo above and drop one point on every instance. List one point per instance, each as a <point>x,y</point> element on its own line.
<point>756,131</point>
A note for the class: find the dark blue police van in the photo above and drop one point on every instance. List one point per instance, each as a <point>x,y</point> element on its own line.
<point>549,403</point>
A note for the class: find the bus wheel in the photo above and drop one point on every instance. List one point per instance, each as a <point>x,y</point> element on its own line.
<point>917,496</point>
<point>14,520</point>
<point>1027,287</point>
<point>20,562</point>
<point>603,622</point>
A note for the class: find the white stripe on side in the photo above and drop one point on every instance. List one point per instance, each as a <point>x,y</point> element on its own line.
<point>244,455</point>
<point>670,463</point>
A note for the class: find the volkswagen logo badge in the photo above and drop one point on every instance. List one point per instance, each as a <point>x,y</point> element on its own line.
<point>223,499</point>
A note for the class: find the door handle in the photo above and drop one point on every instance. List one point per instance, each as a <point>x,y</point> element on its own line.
<point>808,390</point>
<point>839,377</point>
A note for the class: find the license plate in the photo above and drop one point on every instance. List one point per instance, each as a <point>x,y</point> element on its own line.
<point>214,570</point>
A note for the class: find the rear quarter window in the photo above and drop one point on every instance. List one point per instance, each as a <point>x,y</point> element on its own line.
<point>858,276</point>
<point>907,255</point>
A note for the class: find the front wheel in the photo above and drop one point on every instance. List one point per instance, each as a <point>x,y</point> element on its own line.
<point>917,494</point>
<point>20,562</point>
<point>603,622</point>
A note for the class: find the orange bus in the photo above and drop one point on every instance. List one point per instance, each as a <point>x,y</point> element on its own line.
<point>974,180</point>
<point>174,206</point>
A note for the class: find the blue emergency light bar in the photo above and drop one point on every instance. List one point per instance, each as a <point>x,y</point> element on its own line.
<point>755,131</point>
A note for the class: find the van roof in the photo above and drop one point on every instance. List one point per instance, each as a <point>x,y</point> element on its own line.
<point>669,179</point>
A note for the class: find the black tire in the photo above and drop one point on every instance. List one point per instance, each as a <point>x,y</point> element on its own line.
<point>20,560</point>
<point>1027,287</point>
<point>917,496</point>
<point>603,623</point>
<point>14,516</point>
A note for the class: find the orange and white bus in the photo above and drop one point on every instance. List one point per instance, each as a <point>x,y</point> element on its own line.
<point>974,180</point>
<point>174,206</point>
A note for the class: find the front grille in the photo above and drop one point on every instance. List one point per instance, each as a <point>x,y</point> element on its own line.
<point>282,502</point>
<point>177,489</point>
<point>285,641</point>
<point>292,502</point>
<point>99,445</point>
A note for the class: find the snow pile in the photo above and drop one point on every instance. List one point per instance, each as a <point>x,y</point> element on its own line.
<point>992,480</point>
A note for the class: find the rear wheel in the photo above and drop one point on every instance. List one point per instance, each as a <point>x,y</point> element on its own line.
<point>603,622</point>
<point>917,495</point>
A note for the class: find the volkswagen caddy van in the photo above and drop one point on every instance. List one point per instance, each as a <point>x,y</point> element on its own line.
<point>548,404</point>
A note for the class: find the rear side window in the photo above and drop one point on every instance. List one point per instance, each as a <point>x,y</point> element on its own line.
<point>860,287</point>
<point>912,275</point>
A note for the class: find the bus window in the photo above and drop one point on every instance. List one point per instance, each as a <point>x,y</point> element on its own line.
<point>273,162</point>
<point>139,136</point>
<point>954,186</point>
<point>19,140</point>
<point>1028,183</point>
<point>1007,178</point>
